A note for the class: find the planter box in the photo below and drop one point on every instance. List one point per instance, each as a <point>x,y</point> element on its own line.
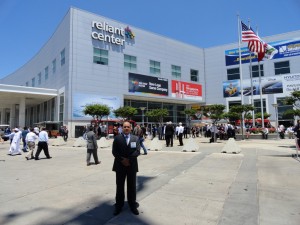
<point>256,136</point>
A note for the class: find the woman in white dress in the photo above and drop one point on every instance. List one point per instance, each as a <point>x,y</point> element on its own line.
<point>15,143</point>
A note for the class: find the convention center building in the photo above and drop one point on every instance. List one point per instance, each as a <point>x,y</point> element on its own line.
<point>93,59</point>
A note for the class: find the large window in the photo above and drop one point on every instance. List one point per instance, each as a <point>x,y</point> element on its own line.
<point>175,111</point>
<point>194,75</point>
<point>129,62</point>
<point>257,106</point>
<point>33,82</point>
<point>282,67</point>
<point>39,78</point>
<point>100,56</point>
<point>233,103</point>
<point>61,106</point>
<point>255,71</point>
<point>62,57</point>
<point>176,71</point>
<point>283,107</point>
<point>233,74</point>
<point>154,67</point>
<point>46,73</point>
<point>54,66</point>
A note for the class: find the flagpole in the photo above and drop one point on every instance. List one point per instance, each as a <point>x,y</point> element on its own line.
<point>261,100</point>
<point>251,79</point>
<point>260,93</point>
<point>241,74</point>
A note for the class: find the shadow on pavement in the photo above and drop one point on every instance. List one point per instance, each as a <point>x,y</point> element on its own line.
<point>287,146</point>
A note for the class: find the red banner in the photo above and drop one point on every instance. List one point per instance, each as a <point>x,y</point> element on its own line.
<point>186,90</point>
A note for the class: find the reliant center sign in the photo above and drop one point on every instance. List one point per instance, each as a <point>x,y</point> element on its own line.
<point>102,31</point>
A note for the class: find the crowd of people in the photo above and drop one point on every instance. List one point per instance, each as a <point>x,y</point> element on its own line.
<point>128,141</point>
<point>29,137</point>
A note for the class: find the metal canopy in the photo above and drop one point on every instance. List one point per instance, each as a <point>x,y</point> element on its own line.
<point>12,94</point>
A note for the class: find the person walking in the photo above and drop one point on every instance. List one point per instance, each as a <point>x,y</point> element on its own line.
<point>43,144</point>
<point>15,138</point>
<point>30,139</point>
<point>24,133</point>
<point>139,132</point>
<point>92,146</point>
<point>126,149</point>
<point>169,133</point>
<point>180,134</point>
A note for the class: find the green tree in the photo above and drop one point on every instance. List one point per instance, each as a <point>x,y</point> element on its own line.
<point>158,115</point>
<point>126,112</point>
<point>258,115</point>
<point>242,111</point>
<point>189,113</point>
<point>294,100</point>
<point>97,111</point>
<point>215,113</point>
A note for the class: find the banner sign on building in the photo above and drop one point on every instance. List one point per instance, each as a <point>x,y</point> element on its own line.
<point>185,90</point>
<point>142,84</point>
<point>270,85</point>
<point>81,100</point>
<point>286,48</point>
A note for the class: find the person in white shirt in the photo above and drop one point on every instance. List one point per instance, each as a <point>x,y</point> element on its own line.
<point>30,139</point>
<point>180,134</point>
<point>43,144</point>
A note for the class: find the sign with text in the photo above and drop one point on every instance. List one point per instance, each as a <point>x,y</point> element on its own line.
<point>283,49</point>
<point>185,90</point>
<point>269,85</point>
<point>142,84</point>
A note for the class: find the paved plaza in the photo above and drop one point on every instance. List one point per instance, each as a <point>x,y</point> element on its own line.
<point>260,185</point>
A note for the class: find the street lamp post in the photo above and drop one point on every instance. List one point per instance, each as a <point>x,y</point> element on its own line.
<point>276,118</point>
<point>143,109</point>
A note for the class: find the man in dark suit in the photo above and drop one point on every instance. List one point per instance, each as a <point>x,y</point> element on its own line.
<point>169,133</point>
<point>126,149</point>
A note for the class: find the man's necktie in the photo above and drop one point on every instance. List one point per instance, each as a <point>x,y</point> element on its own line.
<point>127,139</point>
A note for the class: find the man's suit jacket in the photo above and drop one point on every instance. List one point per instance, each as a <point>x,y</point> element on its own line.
<point>121,150</point>
<point>91,140</point>
<point>169,130</point>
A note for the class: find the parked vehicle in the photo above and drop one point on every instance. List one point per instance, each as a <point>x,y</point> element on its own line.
<point>2,131</point>
<point>52,127</point>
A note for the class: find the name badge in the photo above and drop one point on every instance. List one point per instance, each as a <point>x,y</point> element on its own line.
<point>133,145</point>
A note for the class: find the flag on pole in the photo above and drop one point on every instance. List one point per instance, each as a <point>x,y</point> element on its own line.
<point>255,44</point>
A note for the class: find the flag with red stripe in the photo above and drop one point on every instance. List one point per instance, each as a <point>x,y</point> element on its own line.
<point>255,44</point>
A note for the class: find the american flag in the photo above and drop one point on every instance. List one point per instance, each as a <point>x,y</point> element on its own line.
<point>255,44</point>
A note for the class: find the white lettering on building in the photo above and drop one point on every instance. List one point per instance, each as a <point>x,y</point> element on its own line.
<point>107,33</point>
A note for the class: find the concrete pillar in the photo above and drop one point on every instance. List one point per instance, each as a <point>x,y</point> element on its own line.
<point>12,119</point>
<point>22,113</point>
<point>3,116</point>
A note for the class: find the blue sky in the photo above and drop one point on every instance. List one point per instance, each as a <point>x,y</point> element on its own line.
<point>28,24</point>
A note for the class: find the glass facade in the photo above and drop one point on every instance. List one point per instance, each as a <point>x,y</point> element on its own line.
<point>62,57</point>
<point>282,107</point>
<point>282,67</point>
<point>257,105</point>
<point>255,71</point>
<point>176,71</point>
<point>100,56</point>
<point>154,67</point>
<point>233,74</point>
<point>176,111</point>
<point>129,62</point>
<point>194,75</point>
